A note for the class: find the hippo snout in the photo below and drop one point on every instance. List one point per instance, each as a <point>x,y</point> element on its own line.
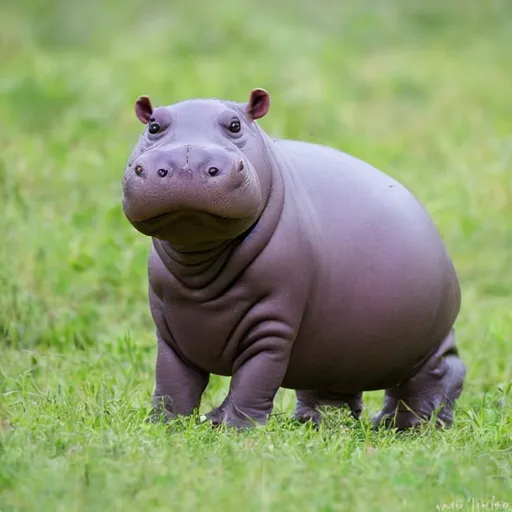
<point>166,189</point>
<point>187,162</point>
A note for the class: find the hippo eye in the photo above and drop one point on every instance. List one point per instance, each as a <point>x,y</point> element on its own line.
<point>235,125</point>
<point>154,127</point>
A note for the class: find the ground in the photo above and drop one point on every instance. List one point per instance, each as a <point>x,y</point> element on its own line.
<point>420,90</point>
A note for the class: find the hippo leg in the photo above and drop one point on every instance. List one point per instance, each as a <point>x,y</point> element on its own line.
<point>254,384</point>
<point>179,386</point>
<point>309,401</point>
<point>432,390</point>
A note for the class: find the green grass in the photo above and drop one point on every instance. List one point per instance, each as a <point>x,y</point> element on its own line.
<point>421,90</point>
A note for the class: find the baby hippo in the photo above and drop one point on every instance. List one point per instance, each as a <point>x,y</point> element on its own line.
<point>287,264</point>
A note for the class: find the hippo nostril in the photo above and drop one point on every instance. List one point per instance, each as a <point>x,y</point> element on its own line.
<point>241,167</point>
<point>213,171</point>
<point>138,170</point>
<point>162,173</point>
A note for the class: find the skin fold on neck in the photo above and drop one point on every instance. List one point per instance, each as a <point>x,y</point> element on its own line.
<point>205,271</point>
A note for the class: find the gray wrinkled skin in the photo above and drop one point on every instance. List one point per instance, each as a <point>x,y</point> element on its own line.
<point>287,264</point>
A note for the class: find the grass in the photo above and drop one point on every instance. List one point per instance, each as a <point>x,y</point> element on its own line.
<point>421,90</point>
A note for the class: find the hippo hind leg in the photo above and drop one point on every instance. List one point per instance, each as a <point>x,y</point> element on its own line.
<point>309,401</point>
<point>432,391</point>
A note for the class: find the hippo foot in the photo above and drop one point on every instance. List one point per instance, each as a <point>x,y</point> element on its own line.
<point>160,411</point>
<point>216,416</point>
<point>157,415</point>
<point>230,415</point>
<point>307,415</point>
<point>428,395</point>
<point>308,401</point>
<point>399,418</point>
<point>402,418</point>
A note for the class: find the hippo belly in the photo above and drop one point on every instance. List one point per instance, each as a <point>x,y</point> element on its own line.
<point>384,294</point>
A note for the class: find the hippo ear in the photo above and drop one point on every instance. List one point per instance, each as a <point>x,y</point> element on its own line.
<point>259,103</point>
<point>143,109</point>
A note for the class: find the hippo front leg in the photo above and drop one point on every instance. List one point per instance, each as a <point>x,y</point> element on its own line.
<point>179,386</point>
<point>258,375</point>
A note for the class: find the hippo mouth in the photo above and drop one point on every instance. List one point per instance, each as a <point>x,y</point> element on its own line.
<point>188,225</point>
<point>167,217</point>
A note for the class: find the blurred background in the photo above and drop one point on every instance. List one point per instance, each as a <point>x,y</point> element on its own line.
<point>421,90</point>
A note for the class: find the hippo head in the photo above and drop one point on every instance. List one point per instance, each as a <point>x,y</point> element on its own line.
<point>200,172</point>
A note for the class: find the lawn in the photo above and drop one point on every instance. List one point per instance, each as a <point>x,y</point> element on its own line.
<point>421,90</point>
